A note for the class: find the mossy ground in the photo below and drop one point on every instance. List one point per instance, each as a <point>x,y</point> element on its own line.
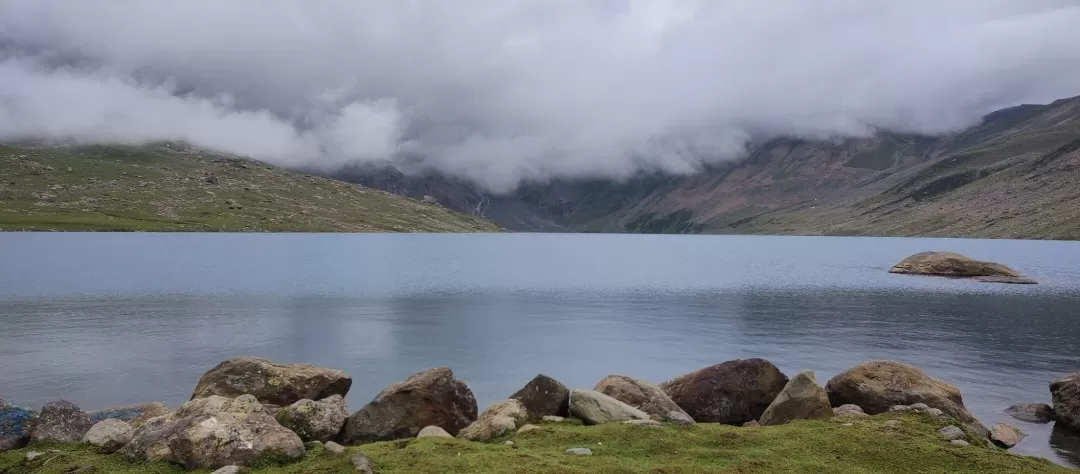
<point>168,188</point>
<point>869,446</point>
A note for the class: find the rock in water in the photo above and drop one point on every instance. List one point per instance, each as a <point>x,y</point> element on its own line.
<point>15,424</point>
<point>60,421</point>
<point>1006,436</point>
<point>876,386</point>
<point>733,392</point>
<point>594,408</point>
<point>500,418</point>
<point>110,435</point>
<point>848,411</point>
<point>136,415</point>
<point>223,439</point>
<point>315,420</point>
<point>956,265</point>
<point>644,396</point>
<point>433,432</point>
<point>275,384</point>
<point>801,399</point>
<point>544,396</point>
<point>428,398</point>
<point>1032,412</point>
<point>1066,394</point>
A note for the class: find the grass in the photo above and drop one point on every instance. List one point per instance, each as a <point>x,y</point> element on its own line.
<point>169,188</point>
<point>869,446</point>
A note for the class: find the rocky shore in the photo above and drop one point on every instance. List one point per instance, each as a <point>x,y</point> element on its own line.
<point>249,412</point>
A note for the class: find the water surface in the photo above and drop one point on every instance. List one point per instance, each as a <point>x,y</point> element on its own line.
<point>108,319</point>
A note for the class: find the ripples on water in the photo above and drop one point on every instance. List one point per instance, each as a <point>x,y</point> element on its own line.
<point>107,319</point>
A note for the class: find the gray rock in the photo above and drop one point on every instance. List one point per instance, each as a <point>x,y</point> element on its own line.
<point>936,412</point>
<point>801,399</point>
<point>223,439</point>
<point>430,199</point>
<point>275,384</point>
<point>849,411</point>
<point>334,448</point>
<point>136,415</point>
<point>434,397</point>
<point>751,424</point>
<point>32,455</point>
<point>315,420</point>
<point>110,435</point>
<point>959,442</point>
<point>732,392</point>
<point>1032,412</point>
<point>579,451</point>
<point>60,421</point>
<point>920,407</point>
<point>952,432</point>
<point>362,463</point>
<point>645,396</point>
<point>900,408</point>
<point>1066,395</point>
<point>526,429</point>
<point>150,441</point>
<point>644,423</point>
<point>433,432</point>
<point>544,396</point>
<point>553,419</point>
<point>1006,436</point>
<point>228,470</point>
<point>500,418</point>
<point>594,408</point>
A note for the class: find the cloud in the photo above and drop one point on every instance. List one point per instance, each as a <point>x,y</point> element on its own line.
<point>505,91</point>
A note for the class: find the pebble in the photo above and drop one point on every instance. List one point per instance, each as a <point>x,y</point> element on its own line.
<point>362,463</point>
<point>334,448</point>
<point>228,470</point>
<point>952,433</point>
<point>579,451</point>
<point>553,418</point>
<point>960,442</point>
<point>526,429</point>
<point>893,423</point>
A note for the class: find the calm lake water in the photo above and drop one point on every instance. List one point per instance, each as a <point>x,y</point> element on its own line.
<point>109,319</point>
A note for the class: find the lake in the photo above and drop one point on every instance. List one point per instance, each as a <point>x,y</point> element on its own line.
<point>110,319</point>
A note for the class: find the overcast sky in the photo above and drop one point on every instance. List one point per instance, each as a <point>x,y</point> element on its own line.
<point>500,91</point>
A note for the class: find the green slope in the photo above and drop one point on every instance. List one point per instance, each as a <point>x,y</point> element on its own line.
<point>169,188</point>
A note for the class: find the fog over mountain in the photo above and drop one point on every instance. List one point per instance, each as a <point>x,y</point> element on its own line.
<point>504,91</point>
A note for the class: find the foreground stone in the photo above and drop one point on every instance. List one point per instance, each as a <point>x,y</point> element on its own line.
<point>876,386</point>
<point>733,392</point>
<point>15,425</point>
<point>499,419</point>
<point>553,419</point>
<point>645,396</point>
<point>579,452</point>
<point>315,420</point>
<point>362,463</point>
<point>544,396</point>
<point>956,265</point>
<point>1032,412</point>
<point>109,435</point>
<point>801,399</point>
<point>275,384</point>
<point>60,421</point>
<point>136,415</point>
<point>952,433</point>
<point>334,448</point>
<point>1066,394</point>
<point>594,408</point>
<point>228,470</point>
<point>401,410</point>
<point>848,411</point>
<point>433,432</point>
<point>1005,435</point>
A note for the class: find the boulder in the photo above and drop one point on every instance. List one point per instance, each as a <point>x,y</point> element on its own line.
<point>801,399</point>
<point>109,434</point>
<point>1032,412</point>
<point>15,425</point>
<point>955,265</point>
<point>136,415</point>
<point>594,408</point>
<point>334,448</point>
<point>544,396</point>
<point>848,411</point>
<point>733,392</point>
<point>362,463</point>
<point>428,398</point>
<point>243,404</point>
<point>315,420</point>
<point>553,419</point>
<point>876,386</point>
<point>751,424</point>
<point>60,421</point>
<point>275,384</point>
<point>644,396</point>
<point>1066,394</point>
<point>500,418</point>
<point>223,439</point>
<point>150,442</point>
<point>1005,435</point>
<point>433,432</point>
<point>952,432</point>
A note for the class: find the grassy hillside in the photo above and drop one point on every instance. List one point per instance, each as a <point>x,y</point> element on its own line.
<point>167,188</point>
<point>867,446</point>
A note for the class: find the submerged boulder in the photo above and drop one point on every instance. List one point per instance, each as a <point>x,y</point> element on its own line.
<point>801,399</point>
<point>645,396</point>
<point>433,397</point>
<point>60,421</point>
<point>1032,412</point>
<point>1066,395</point>
<point>136,415</point>
<point>1005,435</point>
<point>878,385</point>
<point>315,420</point>
<point>499,419</point>
<point>544,396</point>
<point>15,425</point>
<point>109,434</point>
<point>594,408</point>
<point>955,265</point>
<point>733,392</point>
<point>271,383</point>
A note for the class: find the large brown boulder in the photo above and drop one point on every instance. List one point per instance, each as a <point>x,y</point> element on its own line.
<point>733,392</point>
<point>60,421</point>
<point>544,396</point>
<point>645,396</point>
<point>801,399</point>
<point>401,410</point>
<point>951,264</point>
<point>1066,395</point>
<point>878,385</point>
<point>270,383</point>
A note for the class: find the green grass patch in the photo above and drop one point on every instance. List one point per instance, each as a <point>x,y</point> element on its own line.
<point>868,446</point>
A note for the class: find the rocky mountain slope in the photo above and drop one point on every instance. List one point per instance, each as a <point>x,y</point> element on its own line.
<point>1013,176</point>
<point>170,188</point>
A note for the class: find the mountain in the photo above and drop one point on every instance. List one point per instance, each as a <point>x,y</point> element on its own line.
<point>173,188</point>
<point>1012,176</point>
